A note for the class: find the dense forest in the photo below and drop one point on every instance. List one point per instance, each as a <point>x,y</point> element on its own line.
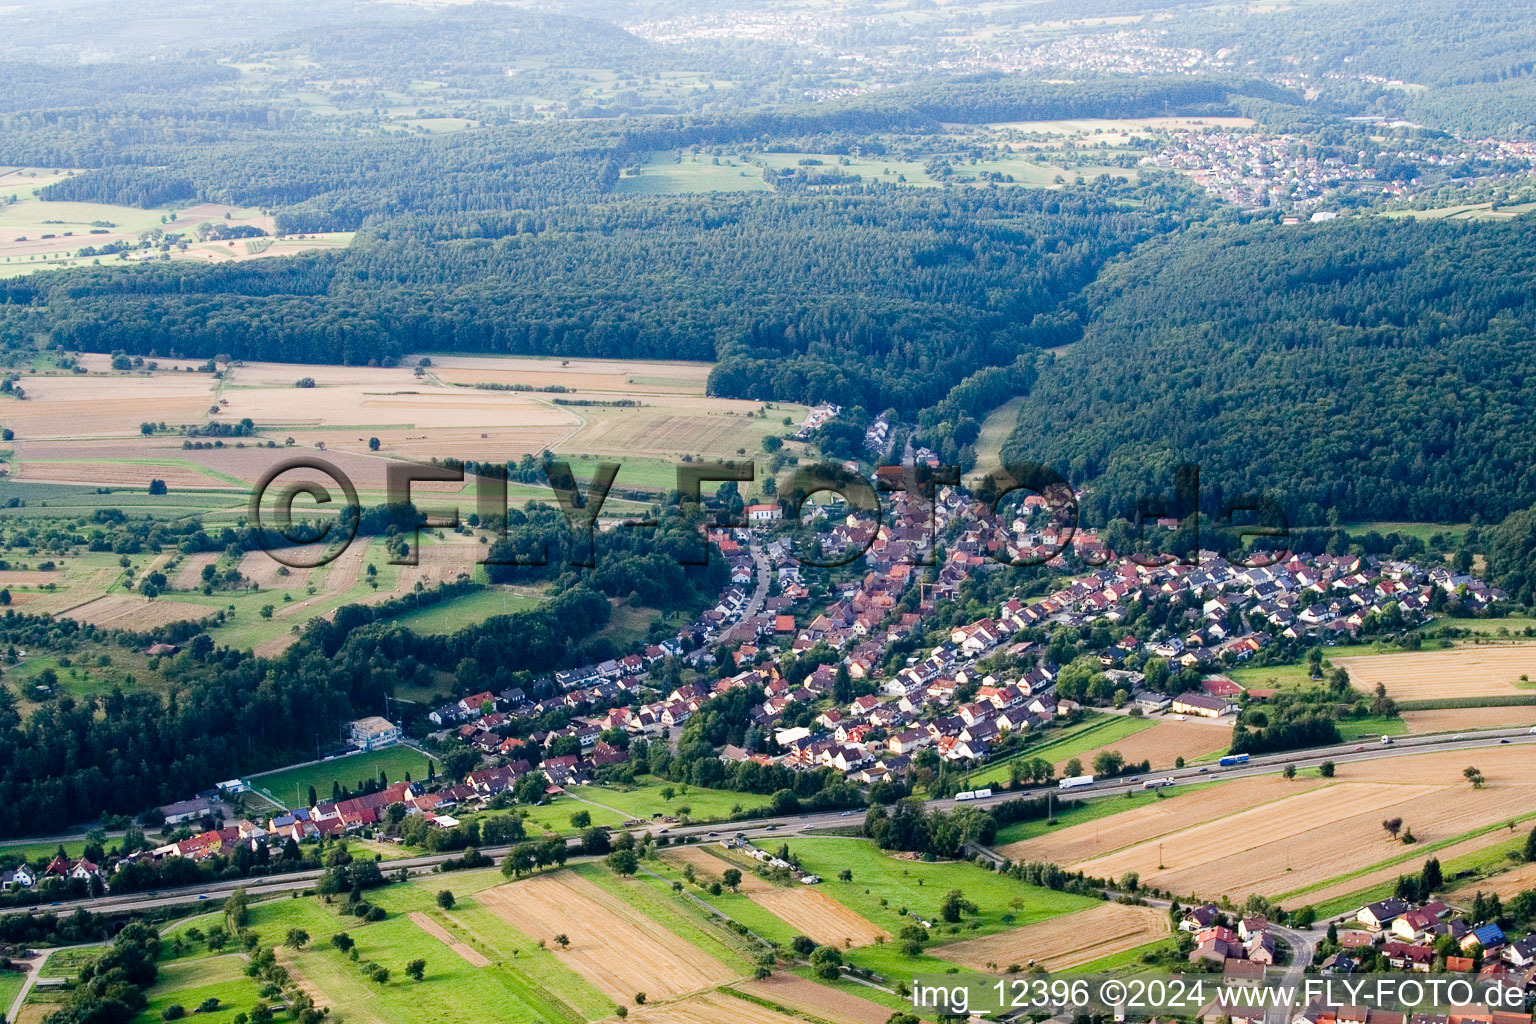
<point>1378,368</point>
<point>879,296</point>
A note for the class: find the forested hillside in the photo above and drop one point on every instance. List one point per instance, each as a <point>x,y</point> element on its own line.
<point>884,297</point>
<point>1380,368</point>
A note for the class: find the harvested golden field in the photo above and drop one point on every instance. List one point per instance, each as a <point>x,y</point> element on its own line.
<point>612,375</point>
<point>91,406</point>
<point>714,427</point>
<point>268,573</point>
<point>1457,719</point>
<point>119,474</point>
<point>189,575</point>
<point>1506,884</point>
<point>121,611</point>
<point>616,948</point>
<point>1325,833</point>
<point>819,917</point>
<point>473,956</point>
<point>1063,942</point>
<point>1390,872</point>
<point>822,1001</point>
<point>1093,838</point>
<point>1429,675</point>
<point>713,866</point>
<point>708,1008</point>
<point>28,577</point>
<point>1165,742</point>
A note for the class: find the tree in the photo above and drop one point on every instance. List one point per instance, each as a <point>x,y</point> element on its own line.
<point>955,904</point>
<point>342,941</point>
<point>581,819</point>
<point>827,962</point>
<point>1431,878</point>
<point>157,486</point>
<point>416,969</point>
<point>1072,769</point>
<point>373,446</point>
<point>1326,769</point>
<point>1289,771</point>
<point>1530,846</point>
<point>623,862</point>
<point>1393,826</point>
<point>1475,777</point>
<point>732,878</point>
<point>562,940</point>
<point>296,938</point>
<point>445,899</point>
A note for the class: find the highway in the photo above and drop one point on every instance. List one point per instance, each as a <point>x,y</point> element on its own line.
<point>791,825</point>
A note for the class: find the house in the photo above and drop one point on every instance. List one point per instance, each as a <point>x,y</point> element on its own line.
<point>1202,704</point>
<point>1247,973</point>
<point>21,878</point>
<point>1522,953</point>
<point>1197,919</point>
<point>1489,936</point>
<point>1382,913</point>
<point>1248,927</point>
<point>475,703</point>
<point>1414,925</point>
<point>372,733</point>
<point>1404,956</point>
<point>1261,948</point>
<point>764,513</point>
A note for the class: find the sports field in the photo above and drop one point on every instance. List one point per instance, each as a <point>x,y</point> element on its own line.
<point>292,784</point>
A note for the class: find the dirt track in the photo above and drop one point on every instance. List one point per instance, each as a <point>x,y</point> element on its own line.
<point>443,935</point>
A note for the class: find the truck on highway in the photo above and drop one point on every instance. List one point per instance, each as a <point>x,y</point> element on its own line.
<point>1232,759</point>
<point>1158,783</point>
<point>1075,782</point>
<point>974,794</point>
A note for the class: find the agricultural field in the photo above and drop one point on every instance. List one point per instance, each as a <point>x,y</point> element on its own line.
<point>1124,823</point>
<point>37,234</point>
<point>1064,942</point>
<point>711,1008</point>
<point>837,1005</point>
<point>1297,843</point>
<point>614,947</point>
<point>1162,743</point>
<point>920,887</point>
<point>292,784</point>
<point>1430,675</point>
<point>812,913</point>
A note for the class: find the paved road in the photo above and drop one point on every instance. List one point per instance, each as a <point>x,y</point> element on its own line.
<point>785,825</point>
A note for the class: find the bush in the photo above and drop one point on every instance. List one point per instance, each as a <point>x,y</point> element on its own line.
<point>173,1012</point>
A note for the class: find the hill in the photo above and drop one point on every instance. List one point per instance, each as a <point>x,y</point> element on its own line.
<point>1370,366</point>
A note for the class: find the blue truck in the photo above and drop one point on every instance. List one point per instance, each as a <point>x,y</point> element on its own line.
<point>1232,759</point>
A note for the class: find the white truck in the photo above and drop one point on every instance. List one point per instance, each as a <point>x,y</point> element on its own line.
<point>974,794</point>
<point>1158,783</point>
<point>1075,782</point>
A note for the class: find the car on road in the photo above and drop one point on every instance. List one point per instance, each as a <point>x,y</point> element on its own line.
<point>1359,750</point>
<point>1533,730</point>
<point>846,814</point>
<point>713,834</point>
<point>1454,738</point>
<point>1503,741</point>
<point>202,895</point>
<point>1204,770</point>
<point>769,828</point>
<point>806,828</point>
